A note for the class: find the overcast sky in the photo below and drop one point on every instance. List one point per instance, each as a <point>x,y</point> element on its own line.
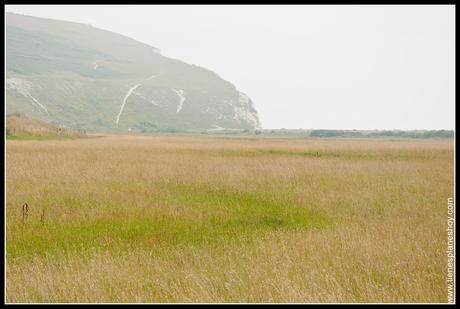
<point>329,67</point>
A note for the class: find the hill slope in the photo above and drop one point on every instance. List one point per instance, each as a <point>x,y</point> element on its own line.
<point>18,127</point>
<point>92,79</point>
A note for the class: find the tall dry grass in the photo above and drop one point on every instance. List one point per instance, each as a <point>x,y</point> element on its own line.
<point>207,219</point>
<point>19,126</point>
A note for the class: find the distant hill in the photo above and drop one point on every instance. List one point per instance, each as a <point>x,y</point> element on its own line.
<point>87,78</point>
<point>18,126</point>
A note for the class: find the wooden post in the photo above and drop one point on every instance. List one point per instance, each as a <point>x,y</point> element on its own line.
<point>25,212</point>
<point>42,217</point>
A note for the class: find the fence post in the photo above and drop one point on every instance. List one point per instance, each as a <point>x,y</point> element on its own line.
<point>42,217</point>
<point>25,212</point>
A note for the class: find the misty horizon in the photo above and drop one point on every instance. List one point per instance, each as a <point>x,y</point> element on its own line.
<point>361,94</point>
<point>229,154</point>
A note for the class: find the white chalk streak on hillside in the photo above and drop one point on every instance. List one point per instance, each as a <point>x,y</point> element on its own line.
<point>129,93</point>
<point>23,86</point>
<point>41,105</point>
<point>144,98</point>
<point>180,93</point>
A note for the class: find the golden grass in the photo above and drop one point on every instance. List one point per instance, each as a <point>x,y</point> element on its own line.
<point>208,219</point>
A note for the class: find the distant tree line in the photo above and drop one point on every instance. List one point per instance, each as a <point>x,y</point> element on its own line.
<point>384,133</point>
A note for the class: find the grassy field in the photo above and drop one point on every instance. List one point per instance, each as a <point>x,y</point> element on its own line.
<point>209,219</point>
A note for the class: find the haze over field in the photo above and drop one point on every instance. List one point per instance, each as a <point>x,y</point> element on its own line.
<point>86,78</point>
<point>229,154</point>
<point>330,67</point>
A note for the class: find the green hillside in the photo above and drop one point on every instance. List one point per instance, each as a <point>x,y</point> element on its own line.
<point>87,78</point>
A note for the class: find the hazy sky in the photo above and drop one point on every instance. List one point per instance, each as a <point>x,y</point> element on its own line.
<point>335,67</point>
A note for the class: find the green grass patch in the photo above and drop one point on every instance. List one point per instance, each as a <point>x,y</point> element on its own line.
<point>28,137</point>
<point>204,217</point>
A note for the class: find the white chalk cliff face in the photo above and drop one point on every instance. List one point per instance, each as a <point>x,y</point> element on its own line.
<point>245,111</point>
<point>87,78</point>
